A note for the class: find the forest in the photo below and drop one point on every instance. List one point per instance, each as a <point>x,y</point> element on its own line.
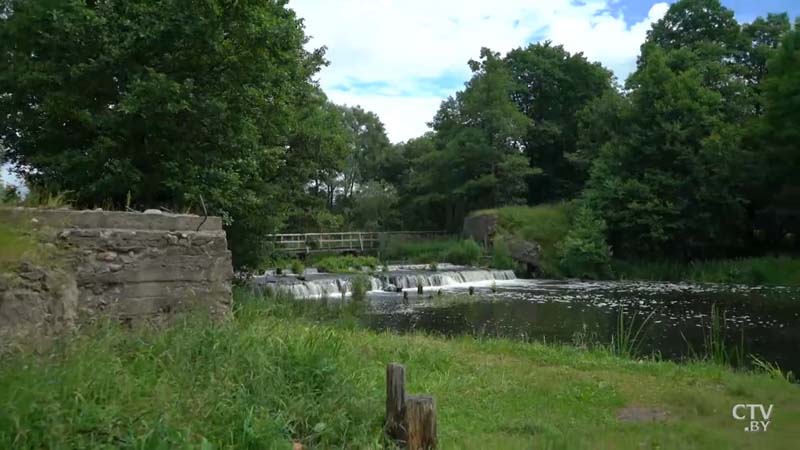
<point>214,104</point>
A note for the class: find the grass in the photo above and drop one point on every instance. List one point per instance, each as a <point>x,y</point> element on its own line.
<point>346,263</point>
<point>545,224</point>
<point>15,245</point>
<point>455,251</point>
<point>285,371</point>
<point>19,245</point>
<point>768,270</point>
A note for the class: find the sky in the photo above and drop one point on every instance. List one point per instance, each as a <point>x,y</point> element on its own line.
<point>401,58</point>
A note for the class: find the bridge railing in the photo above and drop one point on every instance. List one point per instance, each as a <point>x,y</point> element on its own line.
<point>357,241</point>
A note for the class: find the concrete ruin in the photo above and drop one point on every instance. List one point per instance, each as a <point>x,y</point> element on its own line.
<point>127,266</point>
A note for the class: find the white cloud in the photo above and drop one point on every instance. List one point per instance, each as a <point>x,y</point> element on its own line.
<point>401,42</point>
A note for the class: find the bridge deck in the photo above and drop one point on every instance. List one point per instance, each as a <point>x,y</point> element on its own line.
<point>355,241</point>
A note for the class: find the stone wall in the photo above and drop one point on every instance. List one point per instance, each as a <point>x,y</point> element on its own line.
<point>128,266</point>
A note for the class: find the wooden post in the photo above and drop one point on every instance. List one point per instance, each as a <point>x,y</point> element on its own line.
<point>421,422</point>
<point>395,401</point>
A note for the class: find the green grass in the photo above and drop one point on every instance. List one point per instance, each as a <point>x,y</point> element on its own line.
<point>763,270</point>
<point>455,251</point>
<point>346,263</point>
<point>283,371</point>
<point>15,245</point>
<point>545,224</point>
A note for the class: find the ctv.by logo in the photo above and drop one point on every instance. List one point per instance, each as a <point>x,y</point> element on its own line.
<point>739,413</point>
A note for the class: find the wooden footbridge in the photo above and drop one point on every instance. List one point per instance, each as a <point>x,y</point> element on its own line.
<point>349,242</point>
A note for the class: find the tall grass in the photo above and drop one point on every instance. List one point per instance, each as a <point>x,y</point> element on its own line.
<point>716,348</point>
<point>455,251</point>
<point>254,382</point>
<point>774,270</point>
<point>346,263</point>
<point>628,335</point>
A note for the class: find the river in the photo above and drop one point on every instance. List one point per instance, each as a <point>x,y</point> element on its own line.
<point>675,318</point>
<point>762,321</point>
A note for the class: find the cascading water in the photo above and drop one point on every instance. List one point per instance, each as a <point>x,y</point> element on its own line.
<point>338,285</point>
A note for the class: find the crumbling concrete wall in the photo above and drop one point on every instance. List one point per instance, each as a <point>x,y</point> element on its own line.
<point>129,266</point>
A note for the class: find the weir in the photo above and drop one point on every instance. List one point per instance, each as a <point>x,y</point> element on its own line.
<point>323,286</point>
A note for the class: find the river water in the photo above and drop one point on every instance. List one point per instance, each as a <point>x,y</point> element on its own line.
<point>762,321</point>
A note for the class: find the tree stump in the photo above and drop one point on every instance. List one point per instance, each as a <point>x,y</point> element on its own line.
<point>421,422</point>
<point>395,401</point>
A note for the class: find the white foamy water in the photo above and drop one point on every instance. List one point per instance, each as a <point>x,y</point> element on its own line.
<point>336,286</point>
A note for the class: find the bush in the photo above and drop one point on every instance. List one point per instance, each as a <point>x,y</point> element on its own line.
<point>346,264</point>
<point>297,267</point>
<point>501,255</point>
<point>584,253</point>
<point>466,253</point>
<point>359,285</point>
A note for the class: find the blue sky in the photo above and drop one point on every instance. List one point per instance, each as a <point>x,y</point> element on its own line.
<point>401,58</point>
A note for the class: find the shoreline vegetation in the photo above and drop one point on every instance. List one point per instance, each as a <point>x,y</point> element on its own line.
<point>282,371</point>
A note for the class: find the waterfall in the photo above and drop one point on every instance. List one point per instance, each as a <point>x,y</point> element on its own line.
<point>334,286</point>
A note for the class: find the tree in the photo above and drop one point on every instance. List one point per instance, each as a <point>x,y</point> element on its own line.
<point>551,86</point>
<point>478,159</point>
<point>762,36</point>
<point>169,101</point>
<point>778,136</point>
<point>370,150</point>
<point>669,182</point>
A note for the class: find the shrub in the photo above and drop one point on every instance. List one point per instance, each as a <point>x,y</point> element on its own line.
<point>501,255</point>
<point>297,267</point>
<point>467,253</point>
<point>584,253</point>
<point>347,263</point>
<point>359,285</point>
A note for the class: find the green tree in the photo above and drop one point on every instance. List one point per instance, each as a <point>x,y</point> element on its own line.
<point>169,100</point>
<point>778,138</point>
<point>584,253</point>
<point>668,182</point>
<point>550,87</point>
<point>478,160</point>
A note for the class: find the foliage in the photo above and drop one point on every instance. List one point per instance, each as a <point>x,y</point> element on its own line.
<point>297,267</point>
<point>466,253</point>
<point>346,263</point>
<point>778,138</point>
<point>584,252</point>
<point>418,251</point>
<point>629,335</point>
<point>359,286</point>
<point>666,184</point>
<point>172,101</point>
<point>8,194</point>
<point>545,224</point>
<point>551,86</point>
<point>375,206</point>
<point>476,158</point>
<point>501,255</point>
<point>755,271</point>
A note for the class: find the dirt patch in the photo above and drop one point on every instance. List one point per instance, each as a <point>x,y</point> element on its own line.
<point>642,414</point>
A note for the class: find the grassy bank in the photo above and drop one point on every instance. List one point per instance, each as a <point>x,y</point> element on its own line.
<point>279,373</point>
<point>764,270</point>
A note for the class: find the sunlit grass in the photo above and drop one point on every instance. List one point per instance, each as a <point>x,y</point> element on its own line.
<point>284,371</point>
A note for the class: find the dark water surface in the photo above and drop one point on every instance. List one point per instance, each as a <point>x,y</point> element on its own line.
<point>764,321</point>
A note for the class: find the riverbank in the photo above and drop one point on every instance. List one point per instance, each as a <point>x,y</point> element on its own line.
<point>775,270</point>
<point>281,372</point>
